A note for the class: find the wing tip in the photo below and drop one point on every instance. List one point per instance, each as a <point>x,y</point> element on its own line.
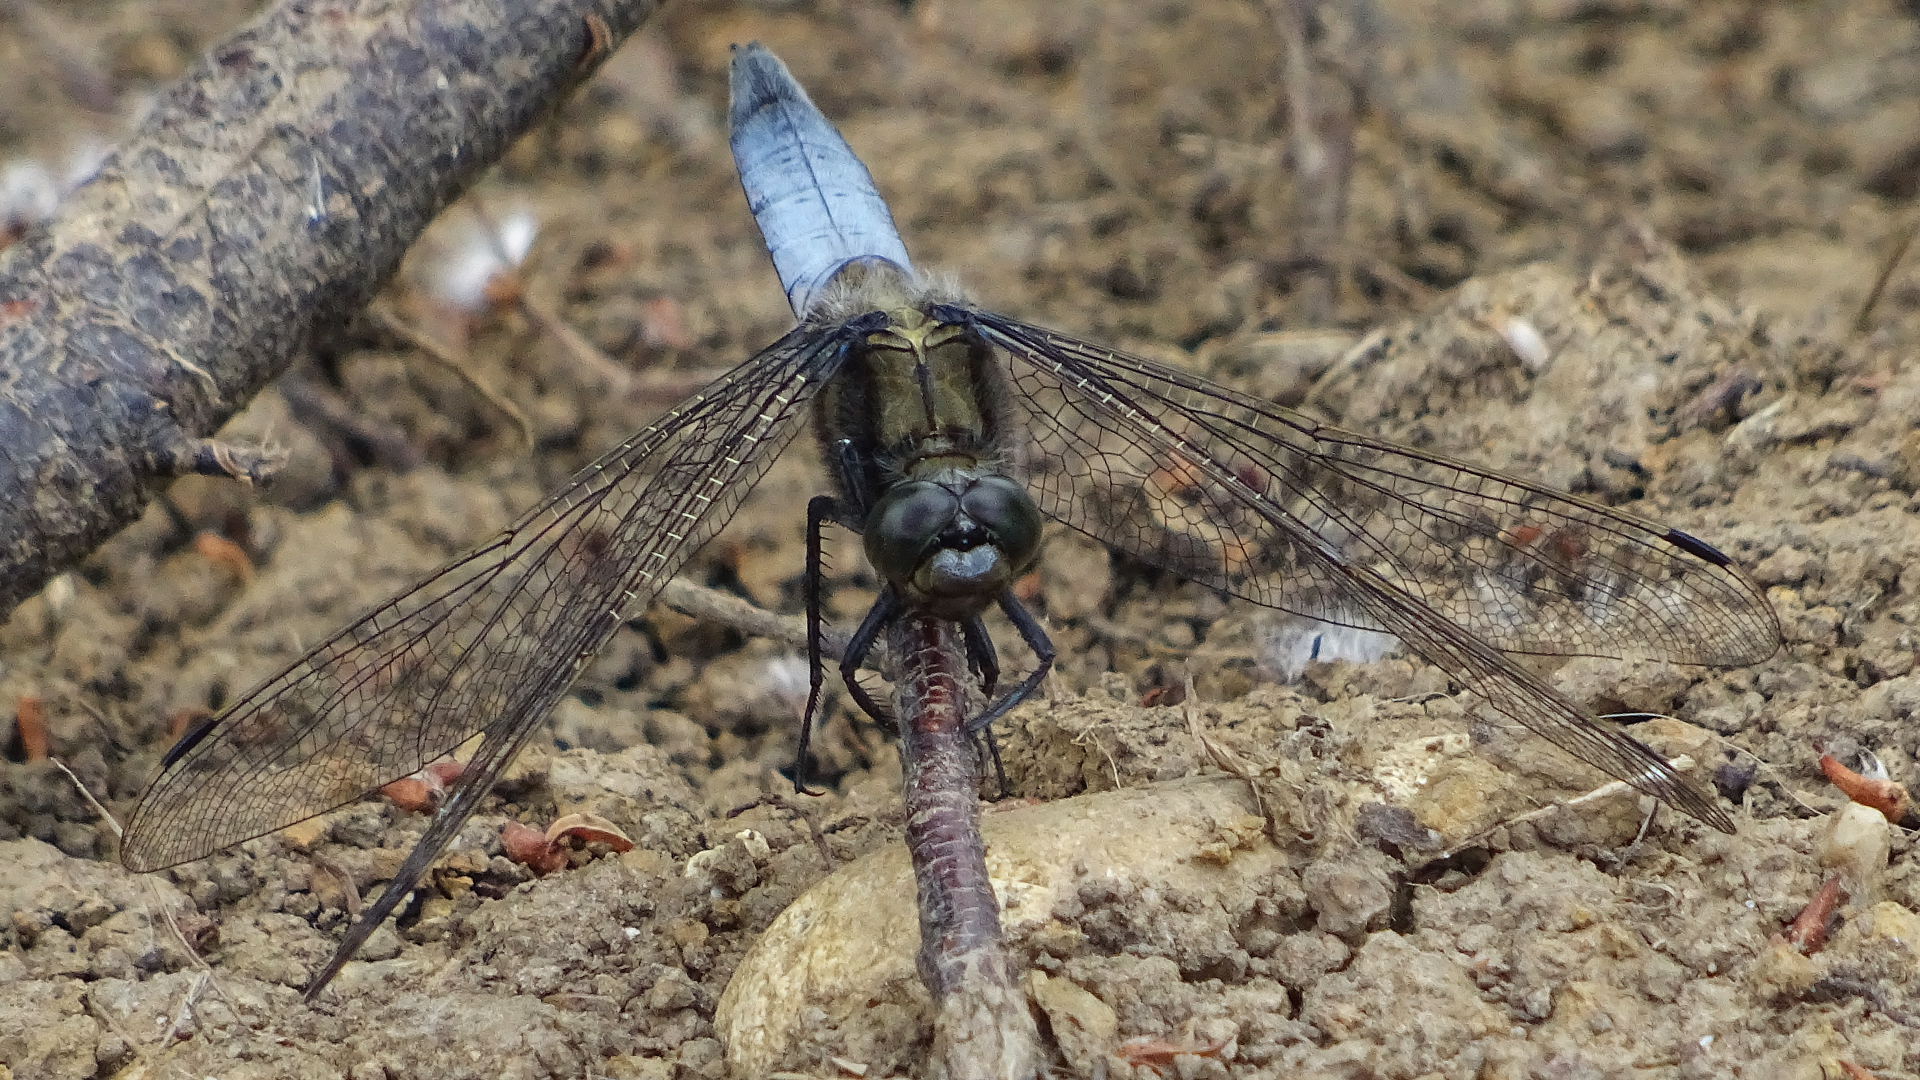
<point>1697,547</point>
<point>136,859</point>
<point>1703,808</point>
<point>1668,785</point>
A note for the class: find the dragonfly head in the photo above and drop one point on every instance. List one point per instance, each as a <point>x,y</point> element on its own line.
<point>953,545</point>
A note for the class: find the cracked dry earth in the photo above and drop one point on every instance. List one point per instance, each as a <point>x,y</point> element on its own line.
<point>1686,204</point>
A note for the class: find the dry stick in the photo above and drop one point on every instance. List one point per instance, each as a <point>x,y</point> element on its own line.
<point>105,814</point>
<point>1604,791</point>
<point>1224,757</point>
<point>982,1029</point>
<point>336,420</point>
<point>1322,162</point>
<point>603,370</point>
<point>180,939</point>
<point>454,362</point>
<point>349,890</point>
<point>153,889</point>
<point>606,373</point>
<point>266,197</point>
<point>1902,240</point>
<point>1367,350</point>
<point>753,620</point>
<point>178,1028</point>
<point>105,1015</point>
<point>785,802</point>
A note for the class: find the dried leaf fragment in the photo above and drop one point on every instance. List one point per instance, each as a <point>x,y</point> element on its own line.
<point>588,828</point>
<point>546,852</point>
<point>662,325</point>
<point>1158,1053</point>
<point>424,790</point>
<point>530,848</point>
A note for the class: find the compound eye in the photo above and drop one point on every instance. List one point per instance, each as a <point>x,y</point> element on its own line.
<point>905,525</point>
<point>1005,510</point>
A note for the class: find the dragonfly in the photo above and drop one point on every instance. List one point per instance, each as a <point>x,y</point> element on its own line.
<point>950,433</point>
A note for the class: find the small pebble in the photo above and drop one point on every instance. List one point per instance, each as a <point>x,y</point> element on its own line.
<point>1857,843</point>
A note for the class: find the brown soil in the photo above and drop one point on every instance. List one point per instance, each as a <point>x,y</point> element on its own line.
<point>1687,203</point>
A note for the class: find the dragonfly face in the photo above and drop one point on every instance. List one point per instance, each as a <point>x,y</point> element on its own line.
<point>952,543</point>
<point>948,430</point>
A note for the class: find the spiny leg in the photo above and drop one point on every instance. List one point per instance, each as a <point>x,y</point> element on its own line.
<point>883,612</point>
<point>820,510</point>
<point>1042,646</point>
<point>980,654</point>
<point>981,657</point>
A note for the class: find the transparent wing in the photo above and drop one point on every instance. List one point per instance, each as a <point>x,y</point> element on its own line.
<point>1464,564</point>
<point>488,643</point>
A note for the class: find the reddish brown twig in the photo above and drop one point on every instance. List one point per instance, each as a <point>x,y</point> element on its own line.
<point>1886,796</point>
<point>1808,931</point>
<point>30,719</point>
<point>225,554</point>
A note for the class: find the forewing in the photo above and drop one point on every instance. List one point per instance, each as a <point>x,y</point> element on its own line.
<point>1463,564</point>
<point>1267,504</point>
<point>489,642</point>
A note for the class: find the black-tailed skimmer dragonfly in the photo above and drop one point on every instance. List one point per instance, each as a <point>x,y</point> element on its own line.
<point>948,432</point>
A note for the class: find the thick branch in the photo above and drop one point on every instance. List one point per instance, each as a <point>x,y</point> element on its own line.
<point>266,197</point>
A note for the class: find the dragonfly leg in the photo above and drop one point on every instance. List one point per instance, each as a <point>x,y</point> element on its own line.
<point>986,664</point>
<point>981,656</point>
<point>1042,646</point>
<point>820,510</point>
<point>883,611</point>
<point>999,767</point>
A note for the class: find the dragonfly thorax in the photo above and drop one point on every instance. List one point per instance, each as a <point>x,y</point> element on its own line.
<point>914,433</point>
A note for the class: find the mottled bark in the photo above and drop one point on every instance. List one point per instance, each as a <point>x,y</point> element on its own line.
<point>264,200</point>
<point>983,1029</point>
